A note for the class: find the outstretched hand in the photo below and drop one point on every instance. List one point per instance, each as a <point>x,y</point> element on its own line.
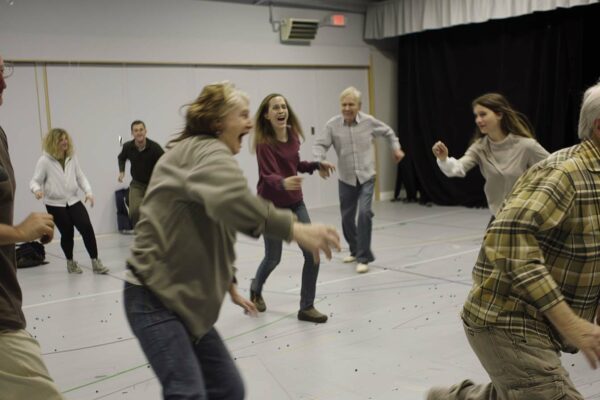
<point>398,155</point>
<point>440,151</point>
<point>238,299</point>
<point>90,198</point>
<point>325,169</point>
<point>586,337</point>
<point>36,226</point>
<point>316,238</point>
<point>293,182</point>
<point>576,331</point>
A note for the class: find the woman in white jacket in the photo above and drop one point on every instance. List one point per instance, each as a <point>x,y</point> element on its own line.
<point>503,147</point>
<point>56,179</point>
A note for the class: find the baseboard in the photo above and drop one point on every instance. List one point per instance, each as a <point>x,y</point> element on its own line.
<point>384,196</point>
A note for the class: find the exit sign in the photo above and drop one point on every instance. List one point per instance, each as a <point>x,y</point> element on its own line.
<point>336,20</point>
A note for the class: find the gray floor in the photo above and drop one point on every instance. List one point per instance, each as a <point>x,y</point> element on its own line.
<point>392,332</point>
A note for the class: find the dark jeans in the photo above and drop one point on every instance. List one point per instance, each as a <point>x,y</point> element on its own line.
<point>70,217</point>
<point>310,270</point>
<point>351,198</point>
<point>187,368</point>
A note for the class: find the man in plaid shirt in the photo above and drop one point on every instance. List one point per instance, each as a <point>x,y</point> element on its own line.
<point>536,283</point>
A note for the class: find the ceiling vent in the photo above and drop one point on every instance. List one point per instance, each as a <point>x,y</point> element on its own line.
<point>295,30</point>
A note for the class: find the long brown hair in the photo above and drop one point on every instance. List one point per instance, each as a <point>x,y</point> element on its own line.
<point>204,114</point>
<point>263,130</point>
<point>512,120</point>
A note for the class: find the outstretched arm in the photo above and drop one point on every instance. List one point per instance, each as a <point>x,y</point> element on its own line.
<point>35,226</point>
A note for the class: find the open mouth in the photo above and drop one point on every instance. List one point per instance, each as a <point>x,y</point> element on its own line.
<point>241,136</point>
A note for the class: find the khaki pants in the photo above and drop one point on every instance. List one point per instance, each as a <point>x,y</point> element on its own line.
<point>137,191</point>
<point>23,374</point>
<point>520,369</point>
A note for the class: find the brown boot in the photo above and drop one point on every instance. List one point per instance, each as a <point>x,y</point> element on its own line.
<point>258,301</point>
<point>312,315</point>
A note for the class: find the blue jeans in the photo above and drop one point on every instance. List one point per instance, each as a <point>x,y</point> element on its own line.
<point>351,198</point>
<point>310,271</point>
<point>187,368</point>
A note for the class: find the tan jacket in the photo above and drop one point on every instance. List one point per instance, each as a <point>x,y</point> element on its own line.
<point>184,246</point>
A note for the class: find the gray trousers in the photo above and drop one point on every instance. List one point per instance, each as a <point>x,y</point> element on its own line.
<point>520,369</point>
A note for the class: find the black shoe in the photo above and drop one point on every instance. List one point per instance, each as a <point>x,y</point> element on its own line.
<point>312,315</point>
<point>258,301</point>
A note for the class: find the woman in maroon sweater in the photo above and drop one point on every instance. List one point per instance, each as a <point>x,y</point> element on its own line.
<point>277,144</point>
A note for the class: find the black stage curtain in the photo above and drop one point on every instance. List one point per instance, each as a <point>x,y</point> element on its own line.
<point>542,62</point>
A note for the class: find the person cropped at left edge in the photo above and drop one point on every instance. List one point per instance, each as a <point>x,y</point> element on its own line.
<point>56,180</point>
<point>23,373</point>
<point>181,262</point>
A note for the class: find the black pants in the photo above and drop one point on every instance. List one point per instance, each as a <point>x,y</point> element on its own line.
<point>69,217</point>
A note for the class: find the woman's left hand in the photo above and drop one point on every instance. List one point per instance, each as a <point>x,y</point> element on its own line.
<point>90,198</point>
<point>247,305</point>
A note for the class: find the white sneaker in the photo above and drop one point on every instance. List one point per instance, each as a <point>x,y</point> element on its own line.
<point>349,259</point>
<point>362,268</point>
<point>73,267</point>
<point>98,267</point>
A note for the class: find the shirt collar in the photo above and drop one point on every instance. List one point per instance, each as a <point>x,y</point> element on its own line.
<point>592,160</point>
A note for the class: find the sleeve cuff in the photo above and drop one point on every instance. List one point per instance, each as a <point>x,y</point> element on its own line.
<point>544,293</point>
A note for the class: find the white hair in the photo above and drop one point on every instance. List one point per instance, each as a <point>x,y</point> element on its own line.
<point>351,91</point>
<point>590,111</point>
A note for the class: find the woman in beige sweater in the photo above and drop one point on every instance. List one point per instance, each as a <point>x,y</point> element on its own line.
<point>181,262</point>
<point>503,146</point>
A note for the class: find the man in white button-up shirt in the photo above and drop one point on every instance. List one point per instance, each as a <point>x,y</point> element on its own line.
<point>352,134</point>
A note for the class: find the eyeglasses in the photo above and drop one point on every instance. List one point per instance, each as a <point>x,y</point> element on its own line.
<point>7,70</point>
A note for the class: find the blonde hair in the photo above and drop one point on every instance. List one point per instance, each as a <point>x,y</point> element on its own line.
<point>263,129</point>
<point>51,140</point>
<point>205,113</point>
<point>351,91</point>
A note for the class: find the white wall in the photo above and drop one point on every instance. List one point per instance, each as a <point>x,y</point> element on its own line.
<point>385,107</point>
<point>96,103</point>
<point>176,31</point>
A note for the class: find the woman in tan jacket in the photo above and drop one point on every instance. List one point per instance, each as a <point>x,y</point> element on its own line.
<point>182,259</point>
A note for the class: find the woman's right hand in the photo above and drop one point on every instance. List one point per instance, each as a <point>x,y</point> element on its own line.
<point>440,151</point>
<point>316,238</point>
<point>39,194</point>
<point>292,183</point>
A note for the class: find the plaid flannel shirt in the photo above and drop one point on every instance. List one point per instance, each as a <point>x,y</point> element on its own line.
<point>543,248</point>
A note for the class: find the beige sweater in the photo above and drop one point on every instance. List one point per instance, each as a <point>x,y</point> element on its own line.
<point>183,251</point>
<point>500,163</point>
